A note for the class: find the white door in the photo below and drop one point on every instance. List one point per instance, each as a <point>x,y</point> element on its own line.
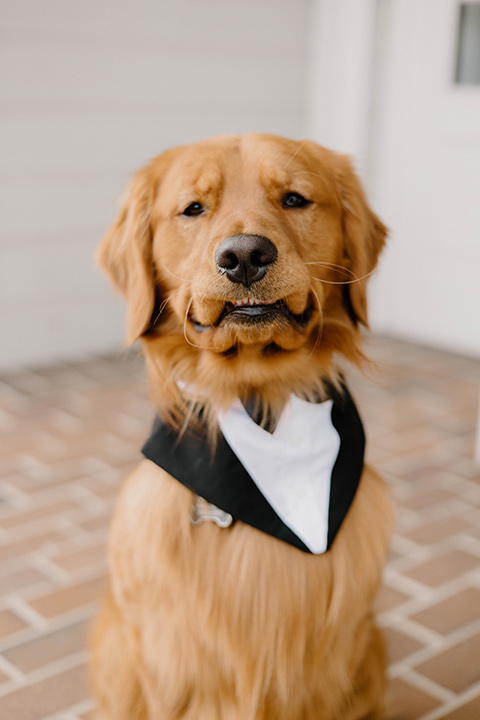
<point>425,153</point>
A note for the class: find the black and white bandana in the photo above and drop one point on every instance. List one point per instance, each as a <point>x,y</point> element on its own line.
<point>296,483</point>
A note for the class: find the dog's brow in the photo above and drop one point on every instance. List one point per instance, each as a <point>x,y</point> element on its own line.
<point>270,173</point>
<point>207,177</point>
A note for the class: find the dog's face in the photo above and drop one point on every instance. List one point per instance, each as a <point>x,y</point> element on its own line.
<point>243,260</point>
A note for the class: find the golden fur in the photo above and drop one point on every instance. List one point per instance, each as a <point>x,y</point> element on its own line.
<point>204,623</point>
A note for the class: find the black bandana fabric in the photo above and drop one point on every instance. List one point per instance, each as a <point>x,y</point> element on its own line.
<point>222,480</point>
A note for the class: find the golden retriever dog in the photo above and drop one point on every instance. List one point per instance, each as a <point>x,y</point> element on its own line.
<point>244,261</point>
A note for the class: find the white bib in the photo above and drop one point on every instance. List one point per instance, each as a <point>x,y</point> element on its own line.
<point>292,467</point>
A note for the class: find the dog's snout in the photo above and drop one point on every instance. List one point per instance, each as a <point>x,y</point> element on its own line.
<point>245,258</point>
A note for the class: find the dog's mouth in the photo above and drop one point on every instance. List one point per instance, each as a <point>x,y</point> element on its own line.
<point>250,311</point>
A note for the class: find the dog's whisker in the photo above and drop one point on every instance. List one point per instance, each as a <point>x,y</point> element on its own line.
<point>201,301</point>
<point>160,310</point>
<point>185,320</point>
<point>329,264</point>
<point>334,266</point>
<point>341,269</point>
<point>320,326</point>
<point>173,274</point>
<point>165,302</point>
<point>349,208</point>
<point>309,172</point>
<point>344,282</point>
<point>299,149</point>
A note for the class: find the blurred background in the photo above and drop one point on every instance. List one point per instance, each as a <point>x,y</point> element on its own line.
<point>91,90</point>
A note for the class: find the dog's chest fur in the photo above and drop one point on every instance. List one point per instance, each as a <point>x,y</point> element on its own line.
<point>237,605</point>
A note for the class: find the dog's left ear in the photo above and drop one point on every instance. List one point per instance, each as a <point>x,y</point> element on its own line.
<point>125,253</point>
<point>363,236</point>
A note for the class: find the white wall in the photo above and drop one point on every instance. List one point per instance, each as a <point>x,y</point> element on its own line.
<point>90,91</point>
<point>427,181</point>
<point>382,89</point>
<point>341,76</point>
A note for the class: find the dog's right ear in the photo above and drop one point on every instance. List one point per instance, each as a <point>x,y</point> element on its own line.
<point>125,253</point>
<point>364,238</point>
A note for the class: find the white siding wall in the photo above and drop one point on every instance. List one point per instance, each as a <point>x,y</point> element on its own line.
<point>342,75</point>
<point>382,91</point>
<point>427,182</point>
<point>90,91</point>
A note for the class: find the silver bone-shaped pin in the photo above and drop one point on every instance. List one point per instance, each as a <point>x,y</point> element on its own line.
<point>203,511</point>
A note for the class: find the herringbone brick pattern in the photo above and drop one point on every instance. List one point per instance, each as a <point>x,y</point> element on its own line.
<point>71,433</point>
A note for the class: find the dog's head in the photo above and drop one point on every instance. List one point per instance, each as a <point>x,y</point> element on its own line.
<point>244,261</point>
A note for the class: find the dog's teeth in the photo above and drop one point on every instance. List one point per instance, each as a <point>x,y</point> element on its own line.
<point>244,303</point>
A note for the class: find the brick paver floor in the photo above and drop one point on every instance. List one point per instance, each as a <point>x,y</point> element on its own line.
<point>69,434</point>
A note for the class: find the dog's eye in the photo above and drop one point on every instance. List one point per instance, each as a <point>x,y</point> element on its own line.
<point>194,209</point>
<point>295,200</point>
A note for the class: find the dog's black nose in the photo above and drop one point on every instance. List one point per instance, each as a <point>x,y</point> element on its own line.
<point>245,258</point>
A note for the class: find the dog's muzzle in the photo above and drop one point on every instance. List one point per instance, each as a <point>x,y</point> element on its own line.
<point>245,258</point>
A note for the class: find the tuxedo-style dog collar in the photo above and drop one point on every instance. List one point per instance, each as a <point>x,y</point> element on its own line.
<point>296,483</point>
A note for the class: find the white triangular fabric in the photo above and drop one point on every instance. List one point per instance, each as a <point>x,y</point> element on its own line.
<point>292,467</point>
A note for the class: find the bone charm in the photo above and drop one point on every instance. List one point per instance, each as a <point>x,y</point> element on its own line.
<point>203,511</point>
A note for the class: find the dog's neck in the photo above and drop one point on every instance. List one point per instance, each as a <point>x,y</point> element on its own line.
<point>200,417</point>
